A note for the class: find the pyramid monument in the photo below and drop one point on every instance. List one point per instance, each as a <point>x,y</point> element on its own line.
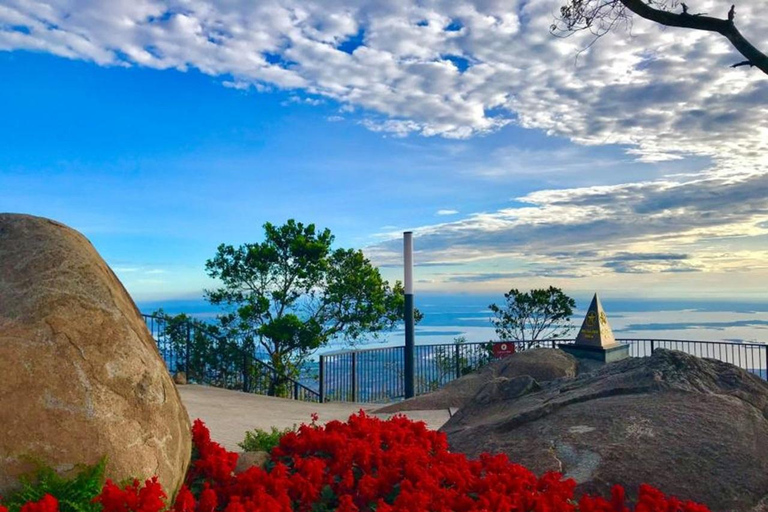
<point>595,339</point>
<point>595,330</point>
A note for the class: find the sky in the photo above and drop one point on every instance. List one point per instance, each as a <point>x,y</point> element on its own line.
<point>636,166</point>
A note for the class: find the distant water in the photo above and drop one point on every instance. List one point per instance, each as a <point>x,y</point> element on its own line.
<point>449,316</point>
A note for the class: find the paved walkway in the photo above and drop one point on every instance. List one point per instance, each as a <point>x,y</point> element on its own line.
<point>229,414</point>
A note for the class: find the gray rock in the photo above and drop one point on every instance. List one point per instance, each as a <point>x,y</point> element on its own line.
<point>503,388</point>
<point>246,460</point>
<point>541,365</point>
<point>694,428</point>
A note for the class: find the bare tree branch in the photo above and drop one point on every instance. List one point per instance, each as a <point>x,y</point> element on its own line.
<point>724,27</point>
<point>586,14</point>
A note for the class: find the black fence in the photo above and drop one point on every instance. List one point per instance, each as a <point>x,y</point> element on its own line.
<point>214,361</point>
<point>377,375</point>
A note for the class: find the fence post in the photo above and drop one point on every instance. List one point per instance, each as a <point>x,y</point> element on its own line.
<point>354,376</point>
<point>246,372</point>
<point>456,352</point>
<point>652,347</point>
<point>186,351</point>
<point>295,390</point>
<point>765,375</point>
<point>321,378</point>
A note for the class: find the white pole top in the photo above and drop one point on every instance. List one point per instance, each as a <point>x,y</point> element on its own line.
<point>408,262</point>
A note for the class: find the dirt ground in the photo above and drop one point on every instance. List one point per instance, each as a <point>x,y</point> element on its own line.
<point>229,414</point>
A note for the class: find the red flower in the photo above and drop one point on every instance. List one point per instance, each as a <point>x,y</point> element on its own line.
<point>47,504</point>
<point>185,501</point>
<point>132,498</point>
<point>208,500</point>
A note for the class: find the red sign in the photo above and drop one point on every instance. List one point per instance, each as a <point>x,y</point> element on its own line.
<point>503,349</point>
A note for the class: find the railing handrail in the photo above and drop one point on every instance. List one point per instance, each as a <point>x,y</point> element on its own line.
<point>240,350</point>
<point>342,352</point>
<point>721,342</point>
<point>377,373</point>
<point>434,368</point>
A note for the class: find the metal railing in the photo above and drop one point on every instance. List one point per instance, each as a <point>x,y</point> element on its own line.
<point>211,360</point>
<point>377,375</point>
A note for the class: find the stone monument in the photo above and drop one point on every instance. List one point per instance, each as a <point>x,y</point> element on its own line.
<point>595,339</point>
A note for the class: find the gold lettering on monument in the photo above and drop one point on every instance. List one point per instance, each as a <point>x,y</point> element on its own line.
<point>588,330</point>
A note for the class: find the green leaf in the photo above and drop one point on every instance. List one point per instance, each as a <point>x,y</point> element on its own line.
<point>74,494</point>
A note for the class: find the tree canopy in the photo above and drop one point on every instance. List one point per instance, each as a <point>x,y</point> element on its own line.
<point>600,16</point>
<point>293,293</point>
<point>539,314</point>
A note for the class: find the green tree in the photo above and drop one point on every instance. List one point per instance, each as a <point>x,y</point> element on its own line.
<point>293,293</point>
<point>532,316</point>
<point>600,16</point>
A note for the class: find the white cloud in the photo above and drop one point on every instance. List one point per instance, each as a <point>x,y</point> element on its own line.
<point>667,225</point>
<point>125,270</point>
<point>664,92</point>
<point>120,269</point>
<point>447,212</point>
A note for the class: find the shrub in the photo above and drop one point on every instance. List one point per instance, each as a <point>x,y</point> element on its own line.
<point>74,494</point>
<point>258,440</point>
<point>47,491</point>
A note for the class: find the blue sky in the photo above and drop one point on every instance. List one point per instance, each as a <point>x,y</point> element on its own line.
<point>513,171</point>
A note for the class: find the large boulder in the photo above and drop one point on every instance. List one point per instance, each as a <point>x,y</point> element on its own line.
<point>695,428</point>
<point>541,364</point>
<point>81,377</point>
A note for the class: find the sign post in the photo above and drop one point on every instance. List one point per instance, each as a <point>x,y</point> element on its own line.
<point>503,349</point>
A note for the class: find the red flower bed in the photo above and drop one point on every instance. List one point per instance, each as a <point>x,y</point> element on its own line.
<point>365,465</point>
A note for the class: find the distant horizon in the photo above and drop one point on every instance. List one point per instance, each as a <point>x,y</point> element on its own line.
<point>449,315</point>
<point>498,297</point>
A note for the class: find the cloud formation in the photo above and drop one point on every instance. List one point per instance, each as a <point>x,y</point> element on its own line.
<point>438,67</point>
<point>666,225</point>
<point>459,68</point>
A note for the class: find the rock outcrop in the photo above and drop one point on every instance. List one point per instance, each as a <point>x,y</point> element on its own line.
<point>695,428</point>
<point>81,375</point>
<point>247,460</point>
<point>542,365</point>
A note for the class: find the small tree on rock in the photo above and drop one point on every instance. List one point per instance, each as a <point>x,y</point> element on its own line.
<point>532,316</point>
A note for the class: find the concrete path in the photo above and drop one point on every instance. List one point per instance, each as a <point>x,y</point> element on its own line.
<point>229,414</point>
